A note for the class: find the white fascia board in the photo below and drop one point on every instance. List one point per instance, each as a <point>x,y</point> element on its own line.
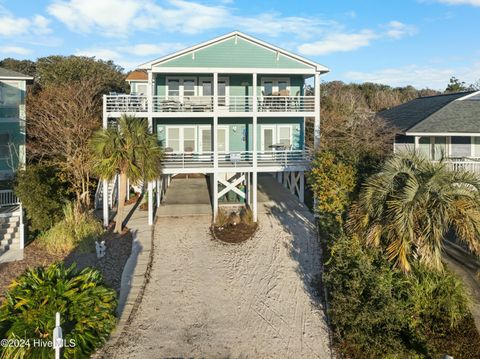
<point>468,96</point>
<point>231,70</point>
<point>442,134</point>
<point>26,78</point>
<point>318,67</point>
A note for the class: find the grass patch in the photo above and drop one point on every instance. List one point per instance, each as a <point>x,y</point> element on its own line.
<point>76,229</point>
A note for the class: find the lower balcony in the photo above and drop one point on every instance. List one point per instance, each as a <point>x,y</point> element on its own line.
<point>267,161</point>
<point>469,164</point>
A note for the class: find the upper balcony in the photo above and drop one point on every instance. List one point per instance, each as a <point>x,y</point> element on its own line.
<point>176,106</point>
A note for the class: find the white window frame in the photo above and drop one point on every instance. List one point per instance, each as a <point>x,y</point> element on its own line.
<point>275,81</point>
<point>181,80</point>
<point>182,137</point>
<point>290,127</point>
<point>209,128</point>
<point>203,79</point>
<point>262,136</point>
<point>449,146</point>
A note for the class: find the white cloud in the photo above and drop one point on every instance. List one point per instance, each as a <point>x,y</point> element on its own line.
<point>345,42</point>
<point>460,2</point>
<point>417,76</point>
<point>397,30</point>
<point>339,42</point>
<point>152,49</point>
<point>123,17</point>
<point>14,50</point>
<point>11,25</point>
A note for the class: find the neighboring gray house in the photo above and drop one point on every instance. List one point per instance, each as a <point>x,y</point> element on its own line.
<point>440,126</point>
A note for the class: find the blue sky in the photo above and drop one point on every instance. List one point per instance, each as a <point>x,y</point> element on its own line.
<point>397,42</point>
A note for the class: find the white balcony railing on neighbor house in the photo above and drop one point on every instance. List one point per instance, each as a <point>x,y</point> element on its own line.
<point>229,104</point>
<point>236,159</point>
<point>8,198</point>
<point>464,164</point>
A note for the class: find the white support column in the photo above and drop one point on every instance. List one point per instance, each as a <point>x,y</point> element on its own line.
<point>254,121</point>
<point>316,126</point>
<point>150,93</point>
<point>248,188</point>
<point>292,182</point>
<point>215,120</point>
<point>105,203</point>
<point>301,195</point>
<point>21,230</point>
<point>105,114</point>
<point>254,195</point>
<point>159,192</point>
<point>417,143</point>
<point>215,195</point>
<point>128,189</point>
<point>150,203</point>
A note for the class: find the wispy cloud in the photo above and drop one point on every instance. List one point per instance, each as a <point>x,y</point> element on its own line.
<point>11,25</point>
<point>459,2</point>
<point>418,76</point>
<point>14,50</point>
<point>351,41</point>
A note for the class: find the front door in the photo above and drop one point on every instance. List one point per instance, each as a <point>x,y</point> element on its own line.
<point>206,139</point>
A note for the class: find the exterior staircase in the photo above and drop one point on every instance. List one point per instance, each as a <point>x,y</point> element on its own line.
<point>112,193</point>
<point>9,233</point>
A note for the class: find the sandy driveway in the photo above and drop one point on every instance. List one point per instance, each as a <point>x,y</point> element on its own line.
<point>210,300</point>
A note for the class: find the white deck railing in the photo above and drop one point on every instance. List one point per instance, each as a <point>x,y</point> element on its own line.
<point>464,164</point>
<point>237,159</point>
<point>8,198</point>
<point>189,104</point>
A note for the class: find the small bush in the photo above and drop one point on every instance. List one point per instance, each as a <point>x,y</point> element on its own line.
<point>246,214</point>
<point>222,218</point>
<point>76,229</point>
<point>86,306</point>
<point>43,194</point>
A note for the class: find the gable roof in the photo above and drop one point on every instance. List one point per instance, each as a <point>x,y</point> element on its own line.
<point>455,113</point>
<point>9,74</point>
<point>236,35</point>
<point>137,75</point>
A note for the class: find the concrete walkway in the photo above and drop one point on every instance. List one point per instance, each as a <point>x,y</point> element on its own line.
<point>206,299</point>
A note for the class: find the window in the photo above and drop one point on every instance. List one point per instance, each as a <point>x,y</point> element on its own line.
<point>476,146</point>
<point>10,94</point>
<point>439,148</point>
<point>274,86</point>
<point>142,89</point>
<point>207,89</point>
<point>173,88</point>
<point>425,147</point>
<point>173,138</point>
<point>188,87</point>
<point>461,146</point>
<point>268,88</point>
<point>4,145</point>
<point>181,138</point>
<point>285,136</point>
<point>404,143</point>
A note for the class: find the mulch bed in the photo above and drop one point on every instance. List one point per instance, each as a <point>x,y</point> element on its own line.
<point>111,265</point>
<point>230,233</point>
<point>133,199</point>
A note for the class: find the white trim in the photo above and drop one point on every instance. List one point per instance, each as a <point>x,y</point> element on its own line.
<point>181,136</point>
<point>468,96</point>
<point>181,80</point>
<point>440,134</point>
<point>236,34</point>
<point>26,78</point>
<point>233,70</point>
<point>262,136</point>
<point>290,127</point>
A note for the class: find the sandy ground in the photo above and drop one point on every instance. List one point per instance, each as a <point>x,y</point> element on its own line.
<point>207,299</point>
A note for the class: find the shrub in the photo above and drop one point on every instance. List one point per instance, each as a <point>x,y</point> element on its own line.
<point>77,228</point>
<point>86,306</point>
<point>43,194</point>
<point>378,312</point>
<point>332,182</point>
<point>222,218</point>
<point>246,214</point>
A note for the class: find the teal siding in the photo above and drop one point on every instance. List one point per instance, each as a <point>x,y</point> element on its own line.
<point>239,85</point>
<point>243,54</point>
<point>239,130</point>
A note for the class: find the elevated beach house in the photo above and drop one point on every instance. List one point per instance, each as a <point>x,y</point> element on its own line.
<point>12,156</point>
<point>228,108</point>
<point>443,126</point>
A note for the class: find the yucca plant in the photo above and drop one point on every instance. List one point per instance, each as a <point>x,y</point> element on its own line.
<point>410,205</point>
<point>87,309</point>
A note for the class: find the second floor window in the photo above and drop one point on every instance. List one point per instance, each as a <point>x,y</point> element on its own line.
<point>4,145</point>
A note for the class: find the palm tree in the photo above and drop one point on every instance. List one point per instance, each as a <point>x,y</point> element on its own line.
<point>411,204</point>
<point>129,150</point>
